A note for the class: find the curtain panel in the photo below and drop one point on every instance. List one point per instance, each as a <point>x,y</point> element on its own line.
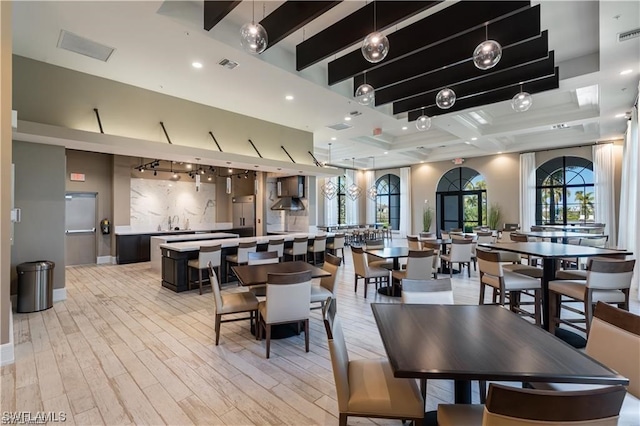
<point>352,205</point>
<point>370,206</point>
<point>405,201</point>
<point>527,190</point>
<point>603,199</point>
<point>331,206</point>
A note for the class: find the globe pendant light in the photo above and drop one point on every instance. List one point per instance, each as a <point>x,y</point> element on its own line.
<point>488,53</point>
<point>423,122</point>
<point>522,101</point>
<point>445,98</point>
<point>372,193</point>
<point>375,46</point>
<point>253,37</point>
<point>365,93</point>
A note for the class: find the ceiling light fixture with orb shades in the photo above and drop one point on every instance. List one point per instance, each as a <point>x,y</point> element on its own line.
<point>522,101</point>
<point>423,123</point>
<point>488,53</point>
<point>253,37</point>
<point>375,46</point>
<point>445,98</point>
<point>372,192</point>
<point>365,93</point>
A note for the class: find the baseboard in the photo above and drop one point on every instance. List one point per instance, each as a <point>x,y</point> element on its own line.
<point>102,260</point>
<point>7,354</point>
<point>59,294</point>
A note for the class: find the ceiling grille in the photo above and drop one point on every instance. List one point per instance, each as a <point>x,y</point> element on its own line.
<point>75,43</point>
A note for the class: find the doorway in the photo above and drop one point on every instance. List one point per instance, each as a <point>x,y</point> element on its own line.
<point>80,228</point>
<point>461,200</point>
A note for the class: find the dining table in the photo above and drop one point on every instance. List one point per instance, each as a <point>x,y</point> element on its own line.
<point>550,254</point>
<point>251,275</point>
<point>554,236</point>
<point>394,253</point>
<point>479,342</point>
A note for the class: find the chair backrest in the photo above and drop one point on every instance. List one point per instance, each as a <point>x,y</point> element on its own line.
<point>444,234</point>
<point>413,242</point>
<point>262,257</point>
<point>288,297</point>
<point>489,263</point>
<point>373,245</point>
<point>210,254</point>
<point>508,227</point>
<point>277,246</point>
<point>461,250</point>
<point>215,287</point>
<point>428,235</point>
<point>594,242</point>
<point>455,230</point>
<point>435,247</point>
<point>331,265</point>
<point>614,340</point>
<point>518,238</point>
<point>427,292</point>
<point>300,245</point>
<point>319,243</point>
<point>516,406</point>
<point>338,241</point>
<point>244,249</point>
<point>419,264</point>
<point>485,237</point>
<point>360,265</point>
<point>338,352</point>
<point>610,274</point>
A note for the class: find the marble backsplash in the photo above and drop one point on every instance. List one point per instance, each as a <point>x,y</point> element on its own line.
<point>283,220</point>
<point>153,202</point>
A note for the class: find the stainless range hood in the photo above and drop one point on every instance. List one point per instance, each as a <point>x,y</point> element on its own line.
<point>288,203</point>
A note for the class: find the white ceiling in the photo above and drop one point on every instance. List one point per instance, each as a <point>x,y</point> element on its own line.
<point>156,42</point>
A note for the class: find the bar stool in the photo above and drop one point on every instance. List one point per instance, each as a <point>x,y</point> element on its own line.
<point>208,255</point>
<point>277,246</point>
<point>299,248</point>
<point>337,244</point>
<point>242,257</point>
<point>319,246</point>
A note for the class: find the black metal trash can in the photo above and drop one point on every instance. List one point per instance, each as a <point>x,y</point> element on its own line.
<point>35,286</point>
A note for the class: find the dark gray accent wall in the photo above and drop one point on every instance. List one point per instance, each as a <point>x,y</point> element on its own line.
<point>39,193</point>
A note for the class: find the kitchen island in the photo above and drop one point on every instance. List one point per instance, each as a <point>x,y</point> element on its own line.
<point>156,252</point>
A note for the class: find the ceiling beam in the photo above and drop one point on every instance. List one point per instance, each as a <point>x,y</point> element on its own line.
<point>514,55</point>
<point>455,19</point>
<point>490,97</point>
<point>215,10</point>
<point>291,16</point>
<point>355,27</point>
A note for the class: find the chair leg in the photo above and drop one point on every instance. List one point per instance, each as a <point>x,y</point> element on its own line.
<point>342,421</point>
<point>554,311</point>
<point>200,276</point>
<point>538,308</point>
<point>355,287</point>
<point>450,269</point>
<point>366,282</point>
<point>306,335</point>
<point>218,320</point>
<point>468,269</point>
<point>268,337</point>
<point>482,388</point>
<point>482,289</point>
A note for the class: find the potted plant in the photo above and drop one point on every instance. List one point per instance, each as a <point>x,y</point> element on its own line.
<point>427,217</point>
<point>494,216</point>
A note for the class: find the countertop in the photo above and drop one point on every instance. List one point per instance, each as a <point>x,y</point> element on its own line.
<point>179,231</point>
<point>234,242</point>
<point>203,236</point>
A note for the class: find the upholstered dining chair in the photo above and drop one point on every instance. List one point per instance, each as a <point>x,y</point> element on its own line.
<point>287,302</point>
<point>460,253</point>
<point>428,292</point>
<point>230,303</point>
<point>419,266</point>
<point>373,261</point>
<point>299,248</point>
<point>435,247</point>
<point>208,255</point>
<point>277,246</point>
<point>521,238</point>
<point>413,242</point>
<point>510,406</point>
<point>319,246</point>
<point>242,256</point>
<point>337,244</point>
<point>366,387</point>
<point>367,273</point>
<point>261,258</point>
<point>608,280</point>
<point>327,285</point>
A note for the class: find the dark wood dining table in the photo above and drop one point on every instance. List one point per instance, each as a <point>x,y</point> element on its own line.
<point>554,236</point>
<point>550,254</point>
<point>394,253</point>
<point>249,275</point>
<point>479,342</point>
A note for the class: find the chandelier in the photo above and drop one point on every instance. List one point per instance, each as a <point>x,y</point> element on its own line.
<point>329,189</point>
<point>353,191</point>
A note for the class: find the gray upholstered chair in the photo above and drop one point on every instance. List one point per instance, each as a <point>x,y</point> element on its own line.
<point>427,292</point>
<point>373,261</point>
<point>337,244</point>
<point>277,246</point>
<point>230,303</point>
<point>419,266</point>
<point>299,248</point>
<point>208,255</point>
<point>319,246</point>
<point>460,253</point>
<point>242,256</point>
<point>366,387</point>
<point>287,302</point>
<point>327,286</point>
<point>367,273</point>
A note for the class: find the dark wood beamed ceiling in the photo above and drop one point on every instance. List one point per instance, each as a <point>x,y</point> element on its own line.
<point>491,96</point>
<point>291,16</point>
<point>354,28</point>
<point>215,10</point>
<point>451,21</point>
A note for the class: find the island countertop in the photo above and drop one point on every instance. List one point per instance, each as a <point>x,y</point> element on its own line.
<point>234,242</point>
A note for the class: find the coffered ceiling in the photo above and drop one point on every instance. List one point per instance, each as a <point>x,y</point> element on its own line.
<point>565,53</point>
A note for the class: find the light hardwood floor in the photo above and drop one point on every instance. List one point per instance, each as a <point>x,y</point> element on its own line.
<point>123,350</point>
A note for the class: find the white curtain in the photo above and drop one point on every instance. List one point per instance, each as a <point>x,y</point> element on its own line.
<point>352,205</point>
<point>370,206</point>
<point>527,190</point>
<point>604,203</point>
<point>331,206</point>
<point>405,201</point>
<point>629,222</point>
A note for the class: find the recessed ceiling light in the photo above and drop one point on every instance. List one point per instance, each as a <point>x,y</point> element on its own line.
<point>620,115</point>
<point>289,97</point>
<point>404,127</point>
<point>197,65</point>
<point>386,152</point>
<point>467,142</point>
<point>499,152</point>
<point>347,118</point>
<point>474,139</point>
<point>334,138</point>
<point>625,72</point>
<point>188,166</point>
<point>421,162</point>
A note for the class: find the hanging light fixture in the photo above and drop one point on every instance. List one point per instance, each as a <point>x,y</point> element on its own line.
<point>375,46</point>
<point>423,122</point>
<point>365,93</point>
<point>353,191</point>
<point>522,101</point>
<point>488,53</point>
<point>253,37</point>
<point>329,189</point>
<point>445,98</point>
<point>372,192</point>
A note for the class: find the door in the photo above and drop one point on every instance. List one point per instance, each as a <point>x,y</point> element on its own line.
<point>450,214</point>
<point>80,228</point>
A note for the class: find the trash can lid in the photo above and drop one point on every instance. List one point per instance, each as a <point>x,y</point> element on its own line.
<point>38,265</point>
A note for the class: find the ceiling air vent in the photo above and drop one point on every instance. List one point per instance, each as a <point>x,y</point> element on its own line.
<point>340,126</point>
<point>228,64</point>
<point>75,43</point>
<point>560,126</point>
<point>628,35</point>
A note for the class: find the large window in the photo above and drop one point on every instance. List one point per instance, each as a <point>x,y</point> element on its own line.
<point>564,191</point>
<point>342,197</point>
<point>461,199</point>
<point>388,201</point>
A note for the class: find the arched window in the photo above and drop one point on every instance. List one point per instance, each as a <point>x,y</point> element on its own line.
<point>388,201</point>
<point>564,191</point>
<point>461,199</point>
